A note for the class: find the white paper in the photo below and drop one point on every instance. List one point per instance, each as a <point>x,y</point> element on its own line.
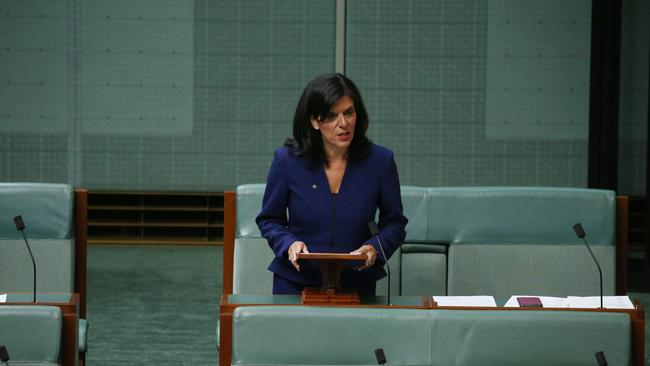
<point>3,297</point>
<point>593,302</point>
<point>547,301</point>
<point>483,301</point>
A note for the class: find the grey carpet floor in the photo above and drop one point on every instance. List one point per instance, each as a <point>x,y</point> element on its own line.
<point>153,305</point>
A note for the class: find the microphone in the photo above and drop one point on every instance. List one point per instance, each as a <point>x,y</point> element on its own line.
<point>20,226</point>
<point>4,355</point>
<point>374,231</point>
<point>381,357</point>
<point>580,232</point>
<point>600,358</point>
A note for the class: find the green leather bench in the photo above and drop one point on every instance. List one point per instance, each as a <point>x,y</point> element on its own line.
<point>31,334</point>
<point>299,335</point>
<point>55,216</point>
<point>497,241</point>
<point>502,241</point>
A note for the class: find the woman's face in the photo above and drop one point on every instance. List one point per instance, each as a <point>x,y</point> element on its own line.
<point>337,128</point>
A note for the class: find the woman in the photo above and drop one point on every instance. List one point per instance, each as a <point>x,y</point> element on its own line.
<point>330,180</point>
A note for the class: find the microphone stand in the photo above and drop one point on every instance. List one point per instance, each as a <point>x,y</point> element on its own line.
<point>580,232</point>
<point>374,231</point>
<point>20,226</point>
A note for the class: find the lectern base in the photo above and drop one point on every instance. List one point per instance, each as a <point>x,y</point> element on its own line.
<point>318,296</point>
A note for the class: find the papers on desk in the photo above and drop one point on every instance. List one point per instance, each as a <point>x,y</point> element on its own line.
<point>479,301</point>
<point>593,302</point>
<point>3,297</point>
<point>577,302</point>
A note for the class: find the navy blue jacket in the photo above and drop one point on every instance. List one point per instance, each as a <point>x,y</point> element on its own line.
<point>327,223</point>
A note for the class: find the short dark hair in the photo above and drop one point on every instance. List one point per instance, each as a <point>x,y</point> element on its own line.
<point>315,102</point>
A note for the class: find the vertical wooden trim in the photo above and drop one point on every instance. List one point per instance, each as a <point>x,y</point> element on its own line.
<point>637,318</point>
<point>621,244</point>
<point>81,246</point>
<point>229,222</point>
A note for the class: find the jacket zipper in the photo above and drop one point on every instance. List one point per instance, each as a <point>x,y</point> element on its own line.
<point>333,233</point>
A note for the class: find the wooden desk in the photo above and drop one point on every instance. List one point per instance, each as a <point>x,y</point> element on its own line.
<point>230,302</point>
<point>69,305</point>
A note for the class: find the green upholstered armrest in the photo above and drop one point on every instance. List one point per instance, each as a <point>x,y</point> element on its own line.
<point>83,335</point>
<point>31,333</point>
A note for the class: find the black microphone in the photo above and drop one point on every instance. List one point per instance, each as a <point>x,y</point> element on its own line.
<point>379,354</point>
<point>4,355</point>
<point>600,358</point>
<point>374,231</point>
<point>20,226</point>
<point>580,232</point>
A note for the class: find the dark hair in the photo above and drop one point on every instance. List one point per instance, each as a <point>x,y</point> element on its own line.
<point>315,102</point>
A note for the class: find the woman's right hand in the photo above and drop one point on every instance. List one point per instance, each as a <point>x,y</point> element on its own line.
<point>296,248</point>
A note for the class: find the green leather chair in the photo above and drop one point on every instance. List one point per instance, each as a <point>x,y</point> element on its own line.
<point>55,216</point>
<point>519,240</point>
<point>496,241</point>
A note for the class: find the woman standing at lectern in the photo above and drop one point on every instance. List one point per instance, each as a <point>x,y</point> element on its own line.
<point>323,188</point>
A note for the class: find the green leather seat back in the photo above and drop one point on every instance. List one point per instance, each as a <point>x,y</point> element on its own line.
<point>31,333</point>
<point>520,215</point>
<point>249,204</point>
<point>518,240</point>
<point>297,335</point>
<point>503,338</point>
<point>47,210</point>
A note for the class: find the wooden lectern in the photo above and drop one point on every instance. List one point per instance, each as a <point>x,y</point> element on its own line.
<point>331,265</point>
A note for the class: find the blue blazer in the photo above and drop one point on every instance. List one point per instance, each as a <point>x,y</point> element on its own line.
<point>328,223</point>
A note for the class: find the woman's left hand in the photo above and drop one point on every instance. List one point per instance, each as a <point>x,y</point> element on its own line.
<point>370,253</point>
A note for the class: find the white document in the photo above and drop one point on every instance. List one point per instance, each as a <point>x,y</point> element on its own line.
<point>593,302</point>
<point>3,297</point>
<point>547,301</point>
<point>482,301</point>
